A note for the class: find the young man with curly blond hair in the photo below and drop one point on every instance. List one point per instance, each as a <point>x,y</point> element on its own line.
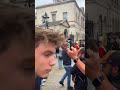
<point>46,41</point>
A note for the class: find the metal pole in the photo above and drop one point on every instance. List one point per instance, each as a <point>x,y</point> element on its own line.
<point>46,22</point>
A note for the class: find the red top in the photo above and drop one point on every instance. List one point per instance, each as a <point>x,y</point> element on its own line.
<point>77,47</point>
<point>101,52</point>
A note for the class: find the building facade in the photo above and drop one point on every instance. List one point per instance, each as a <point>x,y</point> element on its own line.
<point>67,11</point>
<point>102,17</point>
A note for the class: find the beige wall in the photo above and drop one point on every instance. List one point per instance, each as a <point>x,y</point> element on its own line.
<point>59,14</point>
<point>71,9</point>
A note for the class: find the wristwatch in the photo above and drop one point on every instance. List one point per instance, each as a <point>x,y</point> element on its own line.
<point>97,81</point>
<point>75,60</point>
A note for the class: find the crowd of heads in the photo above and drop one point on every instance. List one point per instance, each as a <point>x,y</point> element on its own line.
<point>109,54</point>
<point>113,41</point>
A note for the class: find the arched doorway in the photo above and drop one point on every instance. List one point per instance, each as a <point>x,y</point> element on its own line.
<point>66,33</point>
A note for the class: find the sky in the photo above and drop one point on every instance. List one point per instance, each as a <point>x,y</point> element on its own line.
<point>81,3</point>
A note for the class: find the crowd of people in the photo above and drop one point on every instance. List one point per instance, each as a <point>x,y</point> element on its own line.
<point>67,64</point>
<point>107,55</point>
<point>113,41</point>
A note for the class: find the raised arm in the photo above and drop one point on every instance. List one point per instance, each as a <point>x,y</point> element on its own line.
<point>93,71</point>
<point>74,55</point>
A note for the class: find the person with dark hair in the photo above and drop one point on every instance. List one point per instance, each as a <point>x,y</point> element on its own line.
<point>114,72</point>
<point>67,66</point>
<point>92,70</point>
<point>80,80</point>
<point>57,52</point>
<point>115,45</point>
<point>92,45</point>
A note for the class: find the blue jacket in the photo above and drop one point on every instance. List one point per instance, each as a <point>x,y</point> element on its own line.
<point>37,83</point>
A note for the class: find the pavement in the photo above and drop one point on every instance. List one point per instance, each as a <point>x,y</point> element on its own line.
<point>53,79</point>
<point>55,76</point>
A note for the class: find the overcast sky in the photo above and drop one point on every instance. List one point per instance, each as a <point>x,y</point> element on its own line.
<point>81,3</point>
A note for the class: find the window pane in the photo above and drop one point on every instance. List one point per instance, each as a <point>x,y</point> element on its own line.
<point>65,15</point>
<point>53,17</point>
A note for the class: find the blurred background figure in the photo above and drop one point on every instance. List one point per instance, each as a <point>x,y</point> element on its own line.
<point>102,49</point>
<point>92,45</point>
<point>111,68</point>
<point>60,59</point>
<point>67,66</point>
<point>79,79</point>
<point>77,46</point>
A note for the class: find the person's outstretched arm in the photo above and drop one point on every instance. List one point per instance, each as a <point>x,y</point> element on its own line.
<point>74,55</point>
<point>93,71</point>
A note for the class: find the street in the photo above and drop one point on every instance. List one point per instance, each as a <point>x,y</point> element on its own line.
<point>52,82</point>
<point>55,75</point>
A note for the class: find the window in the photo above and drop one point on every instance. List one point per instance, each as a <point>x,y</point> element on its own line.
<point>53,17</point>
<point>76,17</point>
<point>65,16</point>
<point>82,22</point>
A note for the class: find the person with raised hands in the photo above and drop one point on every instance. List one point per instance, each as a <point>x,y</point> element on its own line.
<point>92,70</point>
<point>74,55</point>
<point>94,73</point>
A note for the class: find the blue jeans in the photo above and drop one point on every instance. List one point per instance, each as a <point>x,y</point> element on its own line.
<point>67,74</point>
<point>60,64</point>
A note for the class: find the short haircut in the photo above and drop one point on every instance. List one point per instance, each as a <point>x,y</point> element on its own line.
<point>16,23</point>
<point>92,44</point>
<point>65,44</point>
<point>48,36</point>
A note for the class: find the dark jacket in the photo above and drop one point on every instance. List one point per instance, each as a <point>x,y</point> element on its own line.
<point>37,83</point>
<point>115,46</point>
<point>65,57</point>
<point>80,79</point>
<point>115,81</point>
<point>57,50</point>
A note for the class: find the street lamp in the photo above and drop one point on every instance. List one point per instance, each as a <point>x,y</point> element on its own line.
<point>46,19</point>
